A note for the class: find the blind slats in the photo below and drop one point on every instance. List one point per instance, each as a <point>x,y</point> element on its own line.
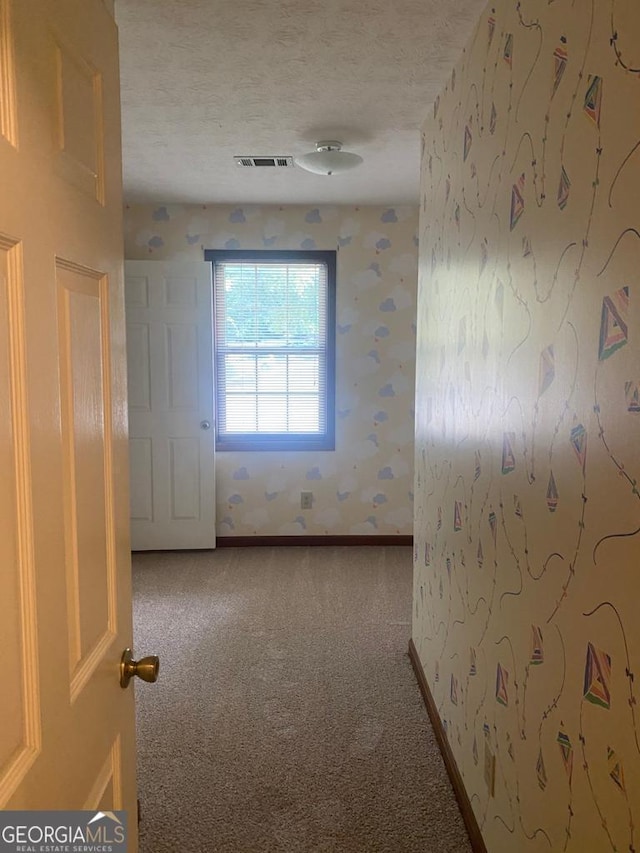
<point>271,347</point>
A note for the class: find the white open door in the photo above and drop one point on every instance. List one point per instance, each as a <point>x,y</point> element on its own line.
<point>172,435</point>
<point>67,727</point>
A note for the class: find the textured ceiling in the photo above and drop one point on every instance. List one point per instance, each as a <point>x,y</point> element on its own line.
<point>203,80</point>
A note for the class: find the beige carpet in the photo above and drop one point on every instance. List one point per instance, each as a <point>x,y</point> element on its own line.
<point>286,716</point>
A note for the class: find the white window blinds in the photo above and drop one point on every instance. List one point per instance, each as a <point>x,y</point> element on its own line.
<point>273,345</point>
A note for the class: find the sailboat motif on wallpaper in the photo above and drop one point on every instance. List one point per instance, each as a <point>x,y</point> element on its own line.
<point>508,456</point>
<point>615,768</point>
<point>560,57</point>
<point>477,468</point>
<point>566,751</point>
<point>597,677</point>
<point>579,443</point>
<point>632,396</point>
<point>484,255</point>
<point>593,99</point>
<point>493,524</point>
<point>507,54</point>
<point>563,189</point>
<point>468,139</point>
<point>502,679</point>
<point>541,771</point>
<point>547,369</point>
<point>537,652</point>
<point>517,202</point>
<point>552,494</point>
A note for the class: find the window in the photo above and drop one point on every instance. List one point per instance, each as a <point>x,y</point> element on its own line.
<point>274,349</point>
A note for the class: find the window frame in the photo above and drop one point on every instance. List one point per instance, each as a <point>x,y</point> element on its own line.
<point>281,441</point>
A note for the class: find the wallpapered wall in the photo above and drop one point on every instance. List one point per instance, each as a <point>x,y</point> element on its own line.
<point>364,487</point>
<point>527,554</point>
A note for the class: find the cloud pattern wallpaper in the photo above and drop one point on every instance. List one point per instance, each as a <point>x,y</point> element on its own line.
<point>527,535</point>
<point>365,487</point>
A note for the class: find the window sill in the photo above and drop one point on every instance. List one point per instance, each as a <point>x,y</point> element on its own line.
<point>249,445</point>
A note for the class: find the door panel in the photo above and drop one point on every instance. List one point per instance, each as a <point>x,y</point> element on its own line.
<point>107,787</point>
<point>169,329</point>
<point>79,110</point>
<point>185,478</point>
<point>181,359</point>
<point>88,525</point>
<point>181,292</point>
<point>8,116</point>
<point>139,366</point>
<point>67,735</point>
<point>141,480</point>
<point>137,291</point>
<point>21,730</point>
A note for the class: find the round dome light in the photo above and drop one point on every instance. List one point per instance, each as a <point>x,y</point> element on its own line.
<point>328,159</point>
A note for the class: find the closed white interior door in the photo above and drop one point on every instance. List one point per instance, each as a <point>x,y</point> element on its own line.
<point>66,726</point>
<point>172,435</point>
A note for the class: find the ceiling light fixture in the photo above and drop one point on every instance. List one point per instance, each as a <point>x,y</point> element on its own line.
<point>328,159</point>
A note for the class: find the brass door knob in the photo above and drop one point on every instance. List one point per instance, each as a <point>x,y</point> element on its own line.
<point>146,668</point>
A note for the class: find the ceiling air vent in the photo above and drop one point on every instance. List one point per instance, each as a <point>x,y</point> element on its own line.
<point>279,162</point>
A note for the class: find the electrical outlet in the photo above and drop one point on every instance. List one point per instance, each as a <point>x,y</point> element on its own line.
<point>306,500</point>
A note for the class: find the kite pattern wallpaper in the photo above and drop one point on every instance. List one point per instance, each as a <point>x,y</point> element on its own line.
<point>527,526</point>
